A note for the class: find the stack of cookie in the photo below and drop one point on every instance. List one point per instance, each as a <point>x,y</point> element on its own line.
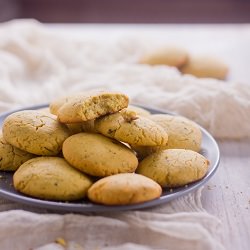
<point>95,145</point>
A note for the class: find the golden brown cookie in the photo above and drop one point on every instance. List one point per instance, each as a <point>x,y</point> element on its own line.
<point>51,178</point>
<point>98,155</point>
<point>205,67</point>
<point>174,167</point>
<point>11,158</point>
<point>91,105</point>
<point>140,132</point>
<point>59,102</point>
<point>182,133</point>
<point>35,132</point>
<point>170,56</point>
<point>124,189</point>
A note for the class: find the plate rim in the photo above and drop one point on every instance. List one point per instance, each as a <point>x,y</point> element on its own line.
<point>92,207</point>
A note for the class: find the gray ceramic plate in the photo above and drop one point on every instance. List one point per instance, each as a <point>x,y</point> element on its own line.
<point>209,149</point>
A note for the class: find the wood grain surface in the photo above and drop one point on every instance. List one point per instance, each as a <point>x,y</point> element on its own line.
<point>227,194</point>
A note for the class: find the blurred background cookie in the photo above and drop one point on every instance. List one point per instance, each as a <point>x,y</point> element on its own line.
<point>205,67</point>
<point>170,56</point>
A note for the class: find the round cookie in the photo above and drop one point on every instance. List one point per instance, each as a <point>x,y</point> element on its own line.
<point>51,178</point>
<point>174,167</point>
<point>205,67</point>
<point>98,155</point>
<point>182,133</point>
<point>140,131</point>
<point>170,56</point>
<point>35,132</point>
<point>89,106</point>
<point>11,158</point>
<point>124,189</point>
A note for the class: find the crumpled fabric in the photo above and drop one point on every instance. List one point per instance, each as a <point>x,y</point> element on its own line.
<point>37,64</point>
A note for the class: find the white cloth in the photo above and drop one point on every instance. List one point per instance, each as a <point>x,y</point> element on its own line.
<point>37,66</point>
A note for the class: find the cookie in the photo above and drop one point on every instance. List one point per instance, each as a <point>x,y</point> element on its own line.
<point>59,102</point>
<point>51,178</point>
<point>11,158</point>
<point>170,56</point>
<point>124,189</point>
<point>182,133</point>
<point>138,131</point>
<point>35,132</point>
<point>174,167</point>
<point>205,67</point>
<point>98,155</point>
<point>89,106</point>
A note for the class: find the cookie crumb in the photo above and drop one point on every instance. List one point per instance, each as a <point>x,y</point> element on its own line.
<point>129,115</point>
<point>61,242</point>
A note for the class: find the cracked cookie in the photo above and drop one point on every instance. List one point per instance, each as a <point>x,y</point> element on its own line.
<point>125,127</point>
<point>51,178</point>
<point>89,105</point>
<point>124,189</point>
<point>35,132</point>
<point>174,167</point>
<point>182,133</point>
<point>98,155</point>
<point>11,158</point>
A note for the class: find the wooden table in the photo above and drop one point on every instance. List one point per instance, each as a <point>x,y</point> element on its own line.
<point>227,195</point>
